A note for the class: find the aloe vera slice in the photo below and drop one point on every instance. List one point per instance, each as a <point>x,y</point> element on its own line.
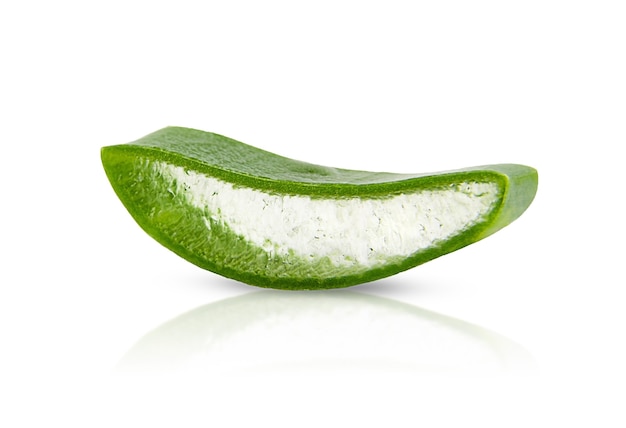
<point>270,221</point>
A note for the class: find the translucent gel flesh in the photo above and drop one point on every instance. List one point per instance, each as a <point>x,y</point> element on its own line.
<point>348,232</point>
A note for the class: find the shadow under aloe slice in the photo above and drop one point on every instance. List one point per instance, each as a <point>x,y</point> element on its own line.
<point>271,221</point>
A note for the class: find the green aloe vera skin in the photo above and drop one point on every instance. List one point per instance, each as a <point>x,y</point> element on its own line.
<point>270,221</point>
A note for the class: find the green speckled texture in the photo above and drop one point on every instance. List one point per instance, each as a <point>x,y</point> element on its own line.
<point>183,229</point>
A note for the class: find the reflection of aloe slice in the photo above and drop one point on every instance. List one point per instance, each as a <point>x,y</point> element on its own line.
<point>275,222</point>
<point>275,331</point>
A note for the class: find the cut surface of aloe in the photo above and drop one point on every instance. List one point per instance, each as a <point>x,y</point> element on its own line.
<point>270,221</point>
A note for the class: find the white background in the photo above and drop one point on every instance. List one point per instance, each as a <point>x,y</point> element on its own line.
<point>393,86</point>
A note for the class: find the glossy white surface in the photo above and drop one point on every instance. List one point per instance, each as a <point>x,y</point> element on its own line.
<point>392,87</point>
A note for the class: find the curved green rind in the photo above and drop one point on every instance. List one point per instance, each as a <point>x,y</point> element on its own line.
<point>182,228</point>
